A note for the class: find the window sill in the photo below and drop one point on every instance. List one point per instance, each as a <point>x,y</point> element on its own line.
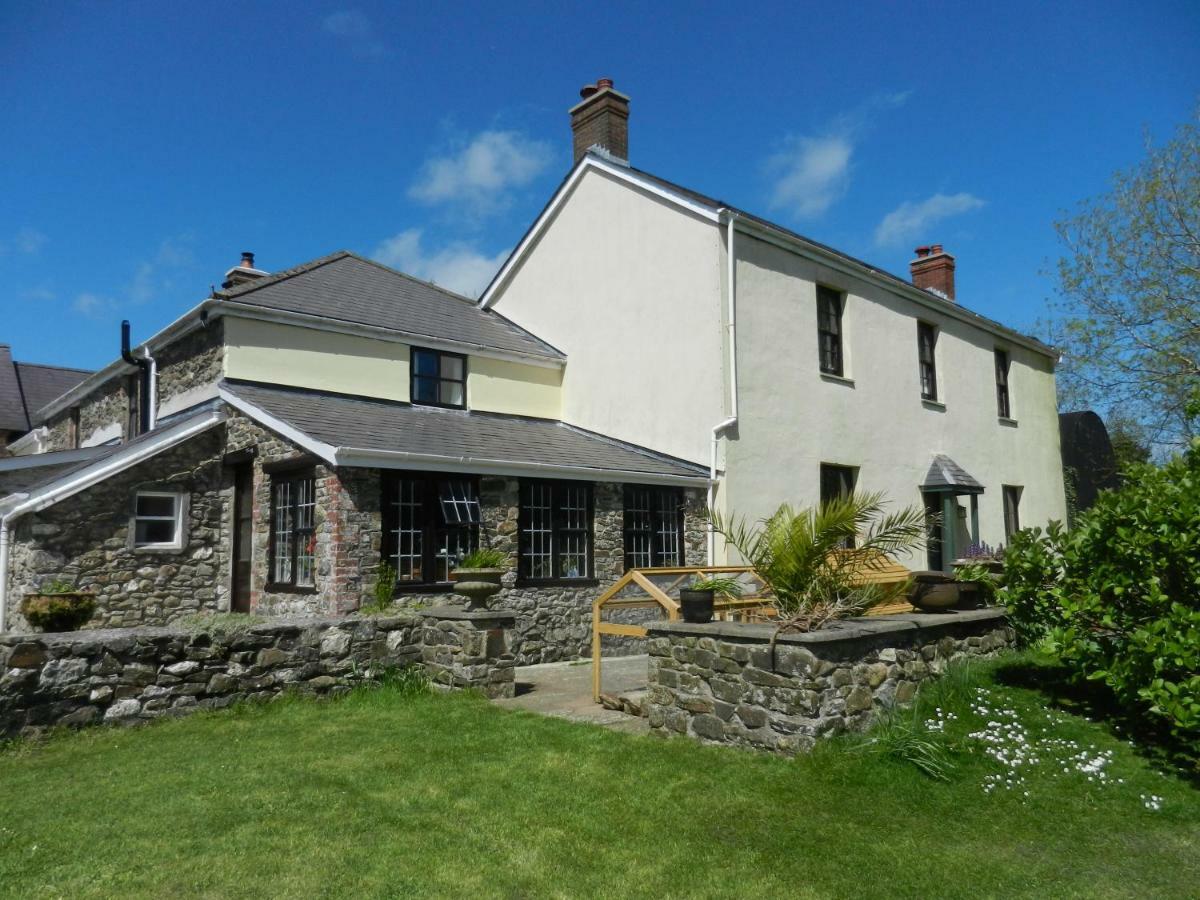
<point>837,379</point>
<point>936,405</point>
<point>1007,422</point>
<point>290,589</point>
<point>557,582</point>
<point>159,548</point>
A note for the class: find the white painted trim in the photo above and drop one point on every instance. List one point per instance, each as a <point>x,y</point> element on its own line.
<point>488,297</point>
<point>176,518</point>
<point>30,444</point>
<point>325,451</point>
<point>399,459</point>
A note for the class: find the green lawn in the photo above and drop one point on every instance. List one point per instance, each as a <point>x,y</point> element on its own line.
<point>385,794</point>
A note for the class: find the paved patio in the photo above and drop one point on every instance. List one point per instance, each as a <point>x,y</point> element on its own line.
<point>565,690</point>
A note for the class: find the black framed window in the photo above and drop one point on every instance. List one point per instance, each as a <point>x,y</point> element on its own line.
<point>829,330</point>
<point>293,537</point>
<point>1012,510</point>
<point>837,483</point>
<point>430,522</point>
<point>653,527</point>
<point>926,347</point>
<point>1003,407</point>
<point>438,379</point>
<point>556,530</point>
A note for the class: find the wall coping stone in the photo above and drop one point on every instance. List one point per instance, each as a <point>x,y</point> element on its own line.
<point>461,614</point>
<point>843,630</point>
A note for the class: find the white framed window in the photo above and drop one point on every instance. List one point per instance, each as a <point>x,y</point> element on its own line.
<point>158,520</point>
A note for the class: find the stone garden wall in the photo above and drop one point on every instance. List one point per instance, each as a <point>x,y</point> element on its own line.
<point>131,675</point>
<point>721,682</point>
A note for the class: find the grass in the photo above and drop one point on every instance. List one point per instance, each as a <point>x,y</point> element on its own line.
<point>392,792</point>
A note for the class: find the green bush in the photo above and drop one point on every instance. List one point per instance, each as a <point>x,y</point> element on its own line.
<point>56,609</point>
<point>484,558</point>
<point>1120,595</point>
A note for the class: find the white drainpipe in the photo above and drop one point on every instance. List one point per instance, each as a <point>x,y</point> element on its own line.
<point>722,427</point>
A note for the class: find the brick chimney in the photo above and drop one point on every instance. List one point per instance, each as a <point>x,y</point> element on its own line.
<point>933,270</point>
<point>601,119</point>
<point>243,272</point>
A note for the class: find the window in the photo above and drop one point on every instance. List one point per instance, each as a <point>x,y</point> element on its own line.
<point>653,527</point>
<point>926,345</point>
<point>293,538</point>
<point>158,520</point>
<point>430,522</point>
<point>556,530</point>
<point>1003,408</point>
<point>439,379</point>
<point>829,330</point>
<point>837,482</point>
<point>1012,504</point>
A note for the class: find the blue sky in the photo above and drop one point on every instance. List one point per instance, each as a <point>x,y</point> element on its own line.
<point>147,144</point>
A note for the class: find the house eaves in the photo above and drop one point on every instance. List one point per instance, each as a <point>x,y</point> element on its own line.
<point>747,223</point>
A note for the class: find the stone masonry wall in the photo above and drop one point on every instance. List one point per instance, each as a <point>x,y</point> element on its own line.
<point>105,406</point>
<point>196,359</point>
<point>720,682</point>
<point>133,675</point>
<point>86,540</point>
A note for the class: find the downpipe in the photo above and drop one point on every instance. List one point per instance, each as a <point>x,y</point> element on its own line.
<point>732,421</point>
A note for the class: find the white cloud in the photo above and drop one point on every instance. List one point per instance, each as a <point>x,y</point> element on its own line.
<point>458,266</point>
<point>354,28</point>
<point>811,172</point>
<point>91,305</point>
<point>911,221</point>
<point>26,241</point>
<point>481,175</point>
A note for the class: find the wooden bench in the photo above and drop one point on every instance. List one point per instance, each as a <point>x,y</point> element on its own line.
<point>885,572</point>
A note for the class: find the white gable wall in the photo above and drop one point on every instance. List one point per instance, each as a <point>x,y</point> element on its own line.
<point>630,288</point>
<point>792,419</point>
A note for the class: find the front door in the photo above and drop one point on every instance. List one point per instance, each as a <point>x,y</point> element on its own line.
<point>243,506</point>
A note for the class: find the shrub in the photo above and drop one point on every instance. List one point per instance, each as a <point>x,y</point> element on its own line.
<point>485,558</point>
<point>385,587</point>
<point>1121,593</point>
<point>57,607</point>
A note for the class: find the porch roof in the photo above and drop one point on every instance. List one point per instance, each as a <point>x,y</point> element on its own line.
<point>359,431</point>
<point>945,475</point>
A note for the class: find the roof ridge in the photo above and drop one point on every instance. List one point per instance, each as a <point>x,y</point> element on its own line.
<point>283,275</point>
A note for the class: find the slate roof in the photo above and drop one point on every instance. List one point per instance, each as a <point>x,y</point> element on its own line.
<point>27,387</point>
<point>349,288</point>
<point>947,475</point>
<point>464,438</point>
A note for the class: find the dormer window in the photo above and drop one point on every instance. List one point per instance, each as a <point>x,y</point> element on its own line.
<point>438,379</point>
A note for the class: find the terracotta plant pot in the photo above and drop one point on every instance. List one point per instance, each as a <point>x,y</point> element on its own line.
<point>68,611</point>
<point>696,606</point>
<point>477,585</point>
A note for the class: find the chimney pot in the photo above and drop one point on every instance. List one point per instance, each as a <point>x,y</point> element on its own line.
<point>933,270</point>
<point>245,271</point>
<point>601,119</point>
<point>247,260</point>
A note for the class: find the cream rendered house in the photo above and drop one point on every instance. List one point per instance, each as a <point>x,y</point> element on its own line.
<point>794,370</point>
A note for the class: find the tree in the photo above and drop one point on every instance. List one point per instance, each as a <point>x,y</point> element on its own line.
<point>1129,294</point>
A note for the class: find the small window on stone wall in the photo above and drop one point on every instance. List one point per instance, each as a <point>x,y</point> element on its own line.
<point>158,520</point>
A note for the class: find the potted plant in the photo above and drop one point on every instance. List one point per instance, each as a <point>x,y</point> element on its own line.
<point>934,591</point>
<point>477,576</point>
<point>990,559</point>
<point>57,606</point>
<point>696,600</point>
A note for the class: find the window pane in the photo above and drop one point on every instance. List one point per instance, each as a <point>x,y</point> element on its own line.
<point>452,368</point>
<point>425,362</point>
<point>149,505</point>
<point>282,532</point>
<point>306,538</point>
<point>425,390</point>
<point>639,528</point>
<point>667,545</point>
<point>451,393</point>
<point>537,554</point>
<point>154,531</point>
<point>407,530</point>
<point>459,502</point>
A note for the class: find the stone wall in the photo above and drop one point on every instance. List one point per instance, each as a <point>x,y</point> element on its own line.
<point>132,675</point>
<point>195,360</point>
<point>106,406</point>
<point>721,683</point>
<point>86,540</point>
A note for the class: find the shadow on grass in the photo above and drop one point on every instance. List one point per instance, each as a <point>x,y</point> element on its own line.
<point>1066,690</point>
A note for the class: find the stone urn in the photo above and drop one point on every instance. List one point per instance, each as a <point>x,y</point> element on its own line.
<point>933,591</point>
<point>477,585</point>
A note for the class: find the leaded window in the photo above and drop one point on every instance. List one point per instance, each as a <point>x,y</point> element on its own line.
<point>430,522</point>
<point>293,536</point>
<point>653,527</point>
<point>829,330</point>
<point>555,530</point>
<point>438,379</point>
<point>926,348</point>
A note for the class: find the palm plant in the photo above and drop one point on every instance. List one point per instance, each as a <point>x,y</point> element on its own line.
<point>813,559</point>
